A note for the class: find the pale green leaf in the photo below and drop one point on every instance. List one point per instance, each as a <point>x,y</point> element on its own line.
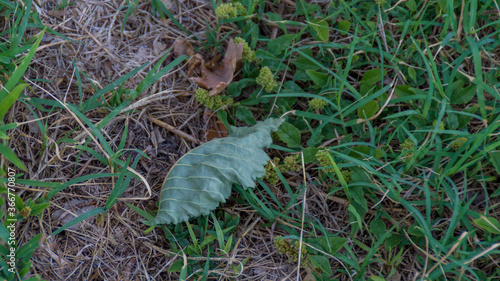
<point>318,78</point>
<point>358,151</point>
<point>373,76</point>
<point>321,28</point>
<point>329,244</point>
<point>9,100</point>
<point>402,91</point>
<point>495,160</point>
<point>203,177</point>
<point>344,26</point>
<point>322,262</point>
<point>412,73</point>
<point>289,134</point>
<point>464,95</point>
<point>353,211</point>
<point>11,156</point>
<point>489,224</point>
<point>412,5</point>
<point>368,109</point>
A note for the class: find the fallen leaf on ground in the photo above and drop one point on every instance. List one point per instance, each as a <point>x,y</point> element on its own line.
<point>214,75</point>
<point>183,47</point>
<point>215,127</point>
<point>218,79</point>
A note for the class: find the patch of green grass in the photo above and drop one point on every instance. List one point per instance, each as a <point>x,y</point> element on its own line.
<point>409,90</point>
<point>15,57</point>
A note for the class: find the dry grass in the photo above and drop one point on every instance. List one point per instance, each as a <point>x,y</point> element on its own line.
<point>113,246</point>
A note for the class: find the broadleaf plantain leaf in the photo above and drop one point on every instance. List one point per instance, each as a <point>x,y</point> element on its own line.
<point>203,177</point>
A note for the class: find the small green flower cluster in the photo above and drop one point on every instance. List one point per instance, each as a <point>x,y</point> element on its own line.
<point>405,146</point>
<point>212,102</point>
<point>324,161</point>
<point>441,125</point>
<point>230,10</point>
<point>458,143</point>
<point>266,79</point>
<point>240,8</point>
<point>317,104</point>
<point>346,174</point>
<point>290,249</point>
<point>290,164</point>
<point>271,176</point>
<point>25,212</point>
<point>248,54</point>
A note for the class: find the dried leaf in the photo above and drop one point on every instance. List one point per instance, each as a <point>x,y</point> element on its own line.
<point>215,127</point>
<point>217,79</point>
<point>183,47</point>
<point>215,74</point>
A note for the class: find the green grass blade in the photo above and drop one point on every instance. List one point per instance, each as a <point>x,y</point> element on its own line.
<point>122,183</point>
<point>78,219</point>
<point>21,69</point>
<point>92,102</point>
<point>9,100</point>
<point>9,155</point>
<point>54,191</point>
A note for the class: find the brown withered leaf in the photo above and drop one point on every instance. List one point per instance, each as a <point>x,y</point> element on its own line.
<point>215,127</point>
<point>183,47</point>
<point>219,77</point>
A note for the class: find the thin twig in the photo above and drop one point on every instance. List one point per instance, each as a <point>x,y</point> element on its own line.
<point>173,130</point>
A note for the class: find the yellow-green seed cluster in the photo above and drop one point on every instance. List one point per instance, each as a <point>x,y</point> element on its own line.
<point>407,145</point>
<point>266,79</point>
<point>271,176</point>
<point>346,174</point>
<point>226,11</point>
<point>323,157</point>
<point>212,102</point>
<point>240,9</point>
<point>441,125</point>
<point>230,10</point>
<point>290,249</point>
<point>291,164</point>
<point>248,54</point>
<point>317,104</point>
<point>458,143</point>
<point>25,212</point>
<point>407,157</point>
